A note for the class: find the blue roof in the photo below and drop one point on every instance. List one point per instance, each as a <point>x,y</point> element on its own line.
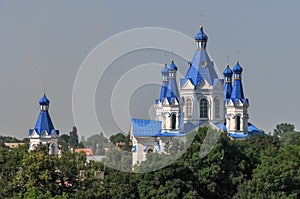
<point>171,91</point>
<point>165,70</point>
<point>193,75</point>
<point>163,91</point>
<point>145,128</point>
<point>44,122</point>
<point>237,68</point>
<point>201,68</point>
<point>201,36</point>
<point>228,72</point>
<point>237,90</point>
<point>151,128</point>
<point>252,130</point>
<point>193,125</point>
<point>172,66</point>
<point>238,135</point>
<point>216,80</point>
<point>227,90</point>
<point>169,134</point>
<point>44,100</point>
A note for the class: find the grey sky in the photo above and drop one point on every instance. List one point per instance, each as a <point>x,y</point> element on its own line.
<point>48,40</point>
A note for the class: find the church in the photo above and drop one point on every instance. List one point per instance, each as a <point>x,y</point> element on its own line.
<point>202,98</point>
<point>44,131</point>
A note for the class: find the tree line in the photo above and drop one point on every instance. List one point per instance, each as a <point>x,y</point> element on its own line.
<point>257,167</point>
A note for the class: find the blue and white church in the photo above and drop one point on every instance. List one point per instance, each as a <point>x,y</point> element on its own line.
<point>44,131</point>
<point>202,98</point>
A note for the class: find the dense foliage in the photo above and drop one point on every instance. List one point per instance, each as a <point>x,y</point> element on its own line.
<point>258,167</point>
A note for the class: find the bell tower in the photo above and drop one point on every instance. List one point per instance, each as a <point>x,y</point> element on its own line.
<point>237,105</point>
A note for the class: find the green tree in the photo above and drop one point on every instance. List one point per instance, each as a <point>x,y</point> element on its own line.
<point>282,128</point>
<point>277,176</point>
<point>119,137</point>
<point>68,169</point>
<point>291,137</point>
<point>37,169</point>
<point>97,142</point>
<point>10,166</point>
<point>63,141</point>
<point>73,141</point>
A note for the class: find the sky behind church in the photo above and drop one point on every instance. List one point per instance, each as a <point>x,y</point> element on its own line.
<point>46,41</point>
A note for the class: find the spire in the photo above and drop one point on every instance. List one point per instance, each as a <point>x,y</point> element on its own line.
<point>201,38</point>
<point>202,67</point>
<point>172,89</point>
<point>44,122</point>
<point>165,79</point>
<point>228,82</point>
<point>237,91</point>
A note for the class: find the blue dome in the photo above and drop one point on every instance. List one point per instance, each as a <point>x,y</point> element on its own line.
<point>165,69</point>
<point>237,68</point>
<point>172,66</point>
<point>227,72</point>
<point>44,100</point>
<point>201,36</point>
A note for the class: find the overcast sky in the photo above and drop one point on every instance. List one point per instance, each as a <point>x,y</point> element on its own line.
<point>47,41</point>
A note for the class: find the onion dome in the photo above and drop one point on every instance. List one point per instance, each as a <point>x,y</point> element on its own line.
<point>227,72</point>
<point>237,69</point>
<point>201,36</point>
<point>44,100</point>
<point>165,69</point>
<point>172,66</point>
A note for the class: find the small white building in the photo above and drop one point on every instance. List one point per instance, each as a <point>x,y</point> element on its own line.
<point>203,99</point>
<point>44,132</point>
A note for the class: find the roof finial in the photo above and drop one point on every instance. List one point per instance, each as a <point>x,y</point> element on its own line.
<point>44,89</point>
<point>165,55</point>
<point>227,57</point>
<point>201,20</point>
<point>238,56</point>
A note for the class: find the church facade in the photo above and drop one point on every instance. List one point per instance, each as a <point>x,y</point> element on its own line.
<point>202,98</point>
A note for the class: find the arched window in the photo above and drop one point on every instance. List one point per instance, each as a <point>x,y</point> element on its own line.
<point>188,107</point>
<point>203,108</point>
<point>52,149</point>
<point>217,108</point>
<point>238,123</point>
<point>173,121</point>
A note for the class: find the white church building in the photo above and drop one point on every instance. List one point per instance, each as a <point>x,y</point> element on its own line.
<point>44,131</point>
<point>202,98</point>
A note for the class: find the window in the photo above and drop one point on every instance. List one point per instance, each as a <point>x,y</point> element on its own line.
<point>237,76</point>
<point>188,108</point>
<point>217,108</point>
<point>203,108</point>
<point>173,121</point>
<point>52,149</point>
<point>238,123</point>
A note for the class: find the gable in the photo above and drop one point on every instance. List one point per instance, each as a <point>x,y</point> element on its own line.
<point>188,85</point>
<point>204,85</point>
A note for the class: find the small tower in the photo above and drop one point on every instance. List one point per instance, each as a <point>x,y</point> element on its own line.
<point>44,132</point>
<point>164,86</point>
<point>202,87</point>
<point>171,115</point>
<point>227,82</point>
<point>201,39</point>
<point>237,105</point>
